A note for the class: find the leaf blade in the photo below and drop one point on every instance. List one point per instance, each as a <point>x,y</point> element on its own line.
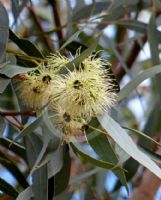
<point>126,143</point>
<point>137,80</point>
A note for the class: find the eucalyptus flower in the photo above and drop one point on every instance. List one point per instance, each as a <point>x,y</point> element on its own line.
<point>56,61</point>
<point>68,124</point>
<point>84,93</point>
<point>94,64</point>
<point>35,89</point>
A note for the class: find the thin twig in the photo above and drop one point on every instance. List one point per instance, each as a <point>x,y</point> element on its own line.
<point>16,113</point>
<point>11,121</point>
<point>56,16</point>
<point>135,50</point>
<point>38,23</point>
<point>95,194</point>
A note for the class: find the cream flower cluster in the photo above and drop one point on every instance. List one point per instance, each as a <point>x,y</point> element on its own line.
<point>73,97</point>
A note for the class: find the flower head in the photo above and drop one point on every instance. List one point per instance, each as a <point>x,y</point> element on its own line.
<point>94,64</point>
<point>68,124</point>
<point>84,93</point>
<point>35,89</point>
<point>56,61</point>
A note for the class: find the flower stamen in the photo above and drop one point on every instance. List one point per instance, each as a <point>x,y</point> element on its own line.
<point>77,85</point>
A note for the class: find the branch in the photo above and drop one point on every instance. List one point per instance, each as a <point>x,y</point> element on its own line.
<point>135,50</point>
<point>43,34</point>
<point>14,122</point>
<point>57,20</point>
<point>16,113</point>
<point>148,185</point>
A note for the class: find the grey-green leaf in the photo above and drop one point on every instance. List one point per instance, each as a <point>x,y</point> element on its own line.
<point>25,194</point>
<point>25,45</point>
<point>120,136</point>
<point>31,127</point>
<point>12,70</point>
<point>56,162</point>
<point>8,189</point>
<point>40,176</point>
<point>2,125</point>
<point>61,179</point>
<point>17,6</point>
<point>141,134</point>
<point>103,148</point>
<point>137,80</point>
<point>3,84</point>
<point>153,40</point>
<point>4,29</point>
<point>81,57</point>
<point>100,163</point>
<point>73,37</point>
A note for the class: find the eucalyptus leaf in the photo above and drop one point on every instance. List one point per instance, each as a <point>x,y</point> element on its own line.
<point>81,57</point>
<point>49,149</point>
<point>153,40</point>
<point>61,179</point>
<point>124,92</point>
<point>17,6</point>
<point>13,169</point>
<point>122,3</point>
<point>2,125</point>
<point>99,163</point>
<point>73,37</point>
<point>12,70</point>
<point>40,176</point>
<point>81,177</point>
<point>4,64</point>
<point>154,45</point>
<point>56,162</point>
<point>152,125</point>
<point>120,136</point>
<point>15,147</point>
<point>133,25</point>
<point>117,10</point>
<point>3,84</point>
<point>8,189</point>
<point>4,29</point>
<point>51,143</point>
<point>25,194</point>
<point>141,134</point>
<point>137,26</point>
<point>31,127</point>
<point>103,148</point>
<point>85,11</point>
<point>40,183</point>
<point>131,166</point>
<point>154,156</point>
<point>25,45</point>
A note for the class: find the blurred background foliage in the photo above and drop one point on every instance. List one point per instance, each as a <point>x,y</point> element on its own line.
<point>129,33</point>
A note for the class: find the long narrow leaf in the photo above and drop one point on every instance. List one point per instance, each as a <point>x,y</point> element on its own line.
<point>100,163</point>
<point>25,45</point>
<point>141,134</point>
<point>126,143</point>
<point>103,148</point>
<point>31,127</point>
<point>8,189</point>
<point>137,80</point>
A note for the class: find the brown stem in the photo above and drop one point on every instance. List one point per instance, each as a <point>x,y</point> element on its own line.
<point>148,184</point>
<point>95,194</point>
<point>16,113</point>
<point>56,15</point>
<point>12,121</point>
<point>38,23</point>
<point>135,50</point>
